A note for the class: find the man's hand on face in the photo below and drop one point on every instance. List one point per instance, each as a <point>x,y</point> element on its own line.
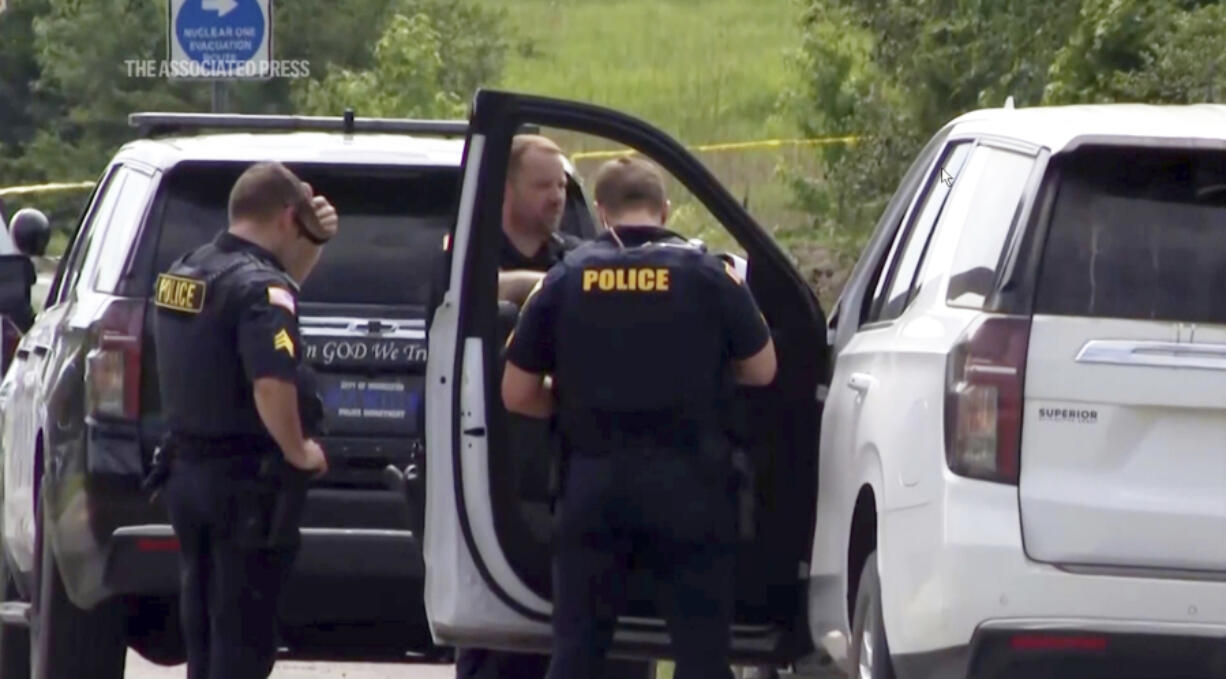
<point>329,221</point>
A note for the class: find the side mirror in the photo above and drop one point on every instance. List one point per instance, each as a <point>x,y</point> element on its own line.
<point>17,276</point>
<point>31,232</point>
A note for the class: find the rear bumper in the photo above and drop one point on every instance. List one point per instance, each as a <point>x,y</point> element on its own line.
<point>954,573</point>
<point>144,560</point>
<point>1075,649</point>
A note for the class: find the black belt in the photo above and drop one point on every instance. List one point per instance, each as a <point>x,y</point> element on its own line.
<point>602,432</point>
<point>192,447</point>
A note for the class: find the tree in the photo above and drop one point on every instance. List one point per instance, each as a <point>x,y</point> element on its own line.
<point>892,72</point>
<point>22,105</point>
<point>1156,51</point>
<point>428,62</point>
<point>72,91</point>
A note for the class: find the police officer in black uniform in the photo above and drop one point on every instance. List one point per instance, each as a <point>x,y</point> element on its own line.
<point>531,243</point>
<point>643,334</point>
<point>228,354</point>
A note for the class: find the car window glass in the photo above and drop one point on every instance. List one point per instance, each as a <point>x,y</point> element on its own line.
<point>86,241</point>
<point>687,215</point>
<point>112,252</point>
<point>1138,235</point>
<point>895,284</point>
<point>985,207</point>
<point>392,221</point>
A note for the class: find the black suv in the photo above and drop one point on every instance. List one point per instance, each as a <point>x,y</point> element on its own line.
<point>90,564</point>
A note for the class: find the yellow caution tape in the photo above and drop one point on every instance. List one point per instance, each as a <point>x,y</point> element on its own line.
<point>582,155</point>
<point>728,146</point>
<point>40,188</point>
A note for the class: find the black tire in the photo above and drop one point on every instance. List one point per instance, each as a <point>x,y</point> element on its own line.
<point>868,640</point>
<point>14,640</point>
<point>68,642</point>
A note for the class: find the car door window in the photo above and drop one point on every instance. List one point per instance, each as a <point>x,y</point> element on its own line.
<point>84,242</point>
<point>896,281</point>
<point>115,235</point>
<point>983,211</point>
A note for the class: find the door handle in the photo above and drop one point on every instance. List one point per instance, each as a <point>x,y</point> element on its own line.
<point>861,382</point>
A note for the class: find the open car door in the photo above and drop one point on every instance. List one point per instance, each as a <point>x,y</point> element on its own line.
<point>486,538</point>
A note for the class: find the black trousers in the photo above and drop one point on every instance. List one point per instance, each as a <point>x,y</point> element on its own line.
<point>672,516</point>
<point>230,581</point>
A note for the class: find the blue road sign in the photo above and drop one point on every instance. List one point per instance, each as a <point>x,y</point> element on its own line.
<point>220,39</point>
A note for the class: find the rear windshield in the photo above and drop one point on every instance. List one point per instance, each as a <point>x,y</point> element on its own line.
<point>392,222</point>
<point>1138,234</point>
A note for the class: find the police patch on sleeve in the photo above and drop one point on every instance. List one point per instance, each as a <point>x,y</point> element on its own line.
<point>179,293</point>
<point>282,342</point>
<point>278,296</point>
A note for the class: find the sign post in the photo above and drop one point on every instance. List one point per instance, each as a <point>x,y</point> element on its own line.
<point>219,40</point>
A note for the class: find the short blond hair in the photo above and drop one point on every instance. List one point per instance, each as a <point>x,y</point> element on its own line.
<point>522,143</point>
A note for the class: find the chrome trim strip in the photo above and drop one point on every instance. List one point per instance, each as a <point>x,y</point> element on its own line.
<point>1199,629</point>
<point>1154,354</point>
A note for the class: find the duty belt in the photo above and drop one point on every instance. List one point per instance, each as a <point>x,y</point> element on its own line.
<point>605,432</point>
<point>194,448</point>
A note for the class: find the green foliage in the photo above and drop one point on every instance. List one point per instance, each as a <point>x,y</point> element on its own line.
<point>429,60</point>
<point>894,72</point>
<point>1143,50</point>
<point>702,70</point>
<point>64,61</point>
<point>82,48</point>
<point>66,91</point>
<point>21,105</point>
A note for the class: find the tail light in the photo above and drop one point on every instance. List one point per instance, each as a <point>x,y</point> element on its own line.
<point>112,366</point>
<point>1087,643</point>
<point>983,399</point>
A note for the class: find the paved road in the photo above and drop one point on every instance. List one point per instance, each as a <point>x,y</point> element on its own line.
<point>139,668</point>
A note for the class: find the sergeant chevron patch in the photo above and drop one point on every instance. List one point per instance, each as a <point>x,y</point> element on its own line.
<point>282,341</point>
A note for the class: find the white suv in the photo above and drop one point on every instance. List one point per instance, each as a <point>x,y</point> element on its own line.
<point>1023,451</point>
<point>1001,456</point>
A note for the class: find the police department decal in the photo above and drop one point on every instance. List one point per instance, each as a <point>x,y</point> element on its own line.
<point>1069,415</point>
<point>382,352</point>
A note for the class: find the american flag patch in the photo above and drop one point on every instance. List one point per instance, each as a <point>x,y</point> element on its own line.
<point>282,298</point>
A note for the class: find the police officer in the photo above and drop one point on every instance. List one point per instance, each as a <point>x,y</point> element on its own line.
<point>228,355</point>
<point>643,334</point>
<point>533,203</point>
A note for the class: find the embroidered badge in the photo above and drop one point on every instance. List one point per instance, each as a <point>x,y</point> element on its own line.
<point>281,297</point>
<point>179,293</point>
<point>282,341</point>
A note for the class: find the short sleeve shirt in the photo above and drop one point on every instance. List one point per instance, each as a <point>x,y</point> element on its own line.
<point>268,336</point>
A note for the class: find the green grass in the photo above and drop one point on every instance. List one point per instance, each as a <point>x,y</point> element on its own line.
<point>58,243</point>
<point>703,71</point>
